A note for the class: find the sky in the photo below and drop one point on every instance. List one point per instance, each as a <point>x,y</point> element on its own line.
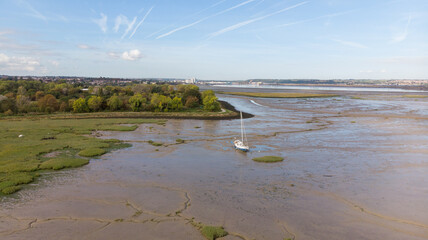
<point>216,39</point>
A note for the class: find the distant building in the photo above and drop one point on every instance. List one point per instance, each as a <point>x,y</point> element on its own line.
<point>190,81</point>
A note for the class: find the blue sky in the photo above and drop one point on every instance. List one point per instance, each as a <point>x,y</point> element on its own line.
<point>216,39</point>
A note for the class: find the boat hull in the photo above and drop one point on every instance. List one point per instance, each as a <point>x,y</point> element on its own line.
<point>241,146</point>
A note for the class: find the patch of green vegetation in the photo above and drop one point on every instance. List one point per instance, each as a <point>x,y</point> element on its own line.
<point>355,97</point>
<point>156,144</point>
<point>92,152</point>
<point>50,144</point>
<point>280,95</point>
<point>415,96</point>
<point>179,140</point>
<point>60,163</point>
<point>268,159</point>
<point>10,190</point>
<point>212,232</point>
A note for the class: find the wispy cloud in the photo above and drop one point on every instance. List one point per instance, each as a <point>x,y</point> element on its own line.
<point>401,37</point>
<point>315,18</point>
<point>32,10</point>
<point>102,22</point>
<point>203,19</point>
<point>141,22</point>
<point>350,44</point>
<point>123,20</point>
<point>86,47</point>
<point>244,23</point>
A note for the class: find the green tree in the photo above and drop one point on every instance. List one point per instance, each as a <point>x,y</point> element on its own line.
<point>80,106</point>
<point>211,104</point>
<point>137,101</point>
<point>176,104</point>
<point>160,102</point>
<point>95,103</point>
<point>114,103</point>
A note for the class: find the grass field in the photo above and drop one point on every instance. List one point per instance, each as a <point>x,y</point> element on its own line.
<point>279,95</point>
<point>31,146</point>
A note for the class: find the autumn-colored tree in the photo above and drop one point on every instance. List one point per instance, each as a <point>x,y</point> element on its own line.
<point>192,102</point>
<point>39,94</point>
<point>48,104</point>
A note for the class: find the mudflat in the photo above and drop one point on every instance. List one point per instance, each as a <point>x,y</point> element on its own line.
<point>354,168</point>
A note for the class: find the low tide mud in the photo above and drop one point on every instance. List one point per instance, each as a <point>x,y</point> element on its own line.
<point>354,168</point>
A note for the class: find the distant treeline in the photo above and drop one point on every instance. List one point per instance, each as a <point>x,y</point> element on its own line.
<point>27,96</point>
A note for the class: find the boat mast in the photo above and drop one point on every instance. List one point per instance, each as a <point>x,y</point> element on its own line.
<point>242,129</point>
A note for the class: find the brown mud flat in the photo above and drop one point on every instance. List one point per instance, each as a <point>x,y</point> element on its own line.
<point>357,174</point>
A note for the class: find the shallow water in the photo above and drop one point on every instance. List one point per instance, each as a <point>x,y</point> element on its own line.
<point>352,169</point>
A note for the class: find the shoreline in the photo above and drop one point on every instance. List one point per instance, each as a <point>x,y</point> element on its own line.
<point>231,114</point>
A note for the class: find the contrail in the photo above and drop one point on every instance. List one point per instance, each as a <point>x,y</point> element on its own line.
<point>203,19</point>
<point>241,24</point>
<point>141,22</point>
<point>130,26</point>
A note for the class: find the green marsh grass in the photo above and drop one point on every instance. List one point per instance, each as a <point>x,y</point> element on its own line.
<point>92,152</point>
<point>212,232</point>
<point>21,158</point>
<point>268,159</point>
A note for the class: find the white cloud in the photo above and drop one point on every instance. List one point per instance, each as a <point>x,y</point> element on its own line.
<point>28,64</point>
<point>102,22</point>
<point>131,55</point>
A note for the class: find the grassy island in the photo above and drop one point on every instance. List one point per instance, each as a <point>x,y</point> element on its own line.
<point>268,159</point>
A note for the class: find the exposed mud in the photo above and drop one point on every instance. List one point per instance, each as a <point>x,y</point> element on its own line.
<point>354,169</point>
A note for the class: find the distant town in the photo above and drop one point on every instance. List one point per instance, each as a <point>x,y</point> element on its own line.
<point>88,81</point>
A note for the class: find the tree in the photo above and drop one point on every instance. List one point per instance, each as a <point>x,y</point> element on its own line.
<point>80,106</point>
<point>39,94</point>
<point>48,104</point>
<point>95,103</point>
<point>114,103</point>
<point>176,104</point>
<point>137,102</point>
<point>192,92</point>
<point>192,102</point>
<point>160,102</point>
<point>211,103</point>
<point>22,103</point>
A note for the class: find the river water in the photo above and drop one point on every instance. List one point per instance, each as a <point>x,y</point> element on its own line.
<point>352,169</point>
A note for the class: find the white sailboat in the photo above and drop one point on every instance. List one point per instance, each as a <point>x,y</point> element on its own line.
<point>240,144</point>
